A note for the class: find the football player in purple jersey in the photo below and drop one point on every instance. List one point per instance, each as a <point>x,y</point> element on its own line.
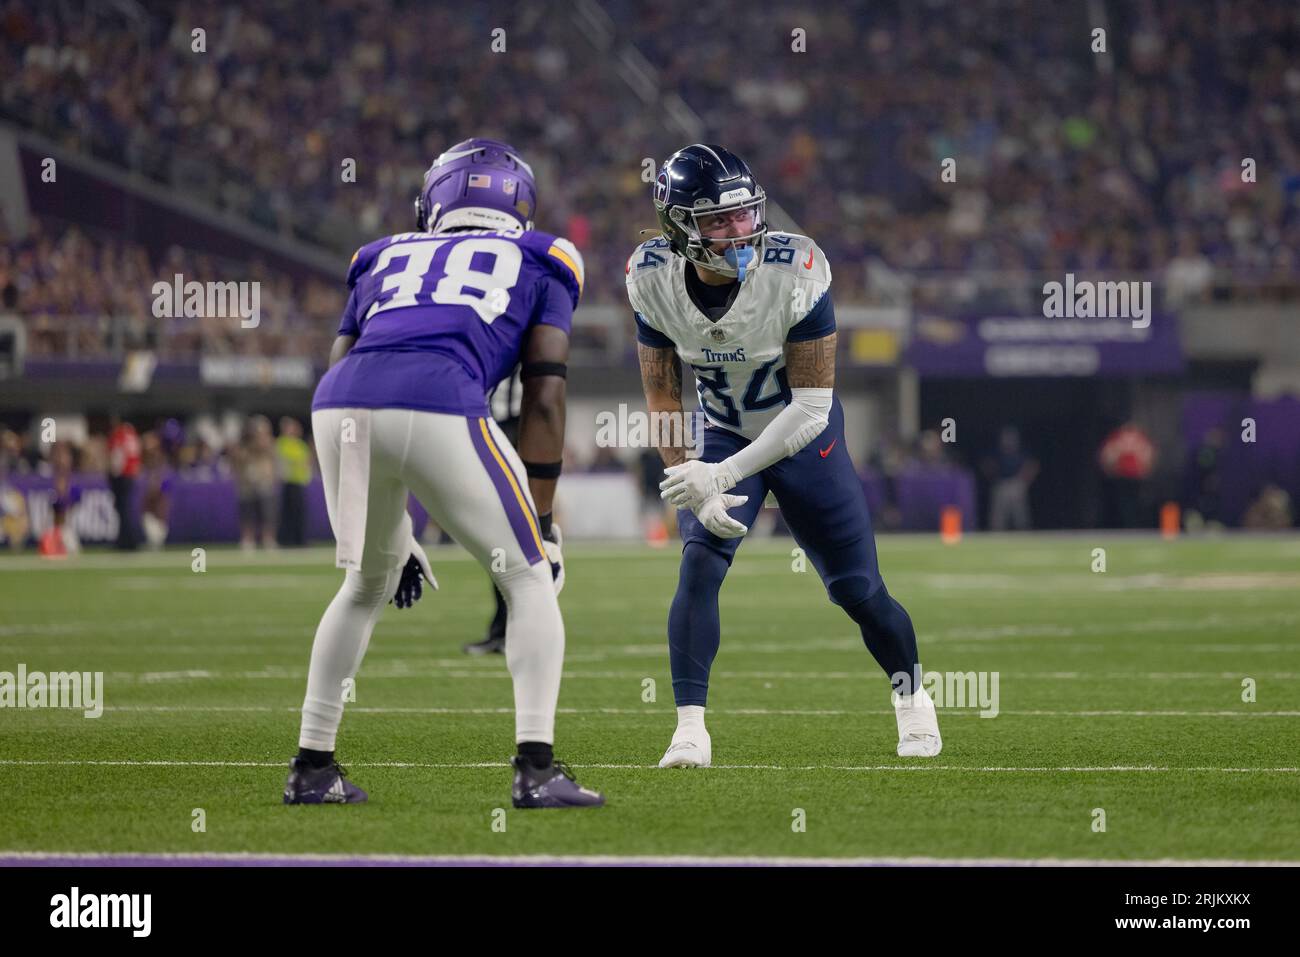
<point>434,320</point>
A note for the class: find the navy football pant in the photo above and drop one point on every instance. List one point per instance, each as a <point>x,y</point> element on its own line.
<point>823,504</point>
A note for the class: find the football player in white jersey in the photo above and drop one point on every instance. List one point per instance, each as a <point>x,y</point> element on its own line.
<point>750,311</point>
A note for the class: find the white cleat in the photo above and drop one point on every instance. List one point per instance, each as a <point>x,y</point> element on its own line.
<point>690,749</point>
<point>918,726</point>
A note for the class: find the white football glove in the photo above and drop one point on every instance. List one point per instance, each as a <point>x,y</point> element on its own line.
<point>713,515</point>
<point>552,544</point>
<point>423,559</point>
<point>690,484</point>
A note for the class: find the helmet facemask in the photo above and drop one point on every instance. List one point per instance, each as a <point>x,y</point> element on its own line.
<point>727,238</point>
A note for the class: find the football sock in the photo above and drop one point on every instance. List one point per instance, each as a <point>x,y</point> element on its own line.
<point>690,717</point>
<point>888,634</point>
<point>341,640</point>
<point>538,754</point>
<point>694,630</point>
<point>534,649</point>
<point>317,759</point>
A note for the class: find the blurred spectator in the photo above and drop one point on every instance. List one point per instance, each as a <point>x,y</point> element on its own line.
<point>1189,275</point>
<point>888,459</point>
<point>157,477</point>
<point>658,518</point>
<point>931,453</point>
<point>123,468</point>
<point>1127,458</point>
<point>1208,465</point>
<point>1270,511</point>
<point>295,470</point>
<point>606,460</point>
<point>60,539</point>
<point>12,460</point>
<point>255,474</point>
<point>1012,472</point>
<point>13,515</point>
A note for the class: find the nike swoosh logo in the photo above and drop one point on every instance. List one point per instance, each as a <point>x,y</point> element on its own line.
<point>808,264</point>
<point>827,451</point>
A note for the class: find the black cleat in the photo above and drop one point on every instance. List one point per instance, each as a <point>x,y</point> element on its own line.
<point>551,787</point>
<point>491,645</point>
<point>327,785</point>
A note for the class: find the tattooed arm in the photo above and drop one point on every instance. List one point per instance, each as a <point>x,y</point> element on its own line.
<point>811,364</point>
<point>661,378</point>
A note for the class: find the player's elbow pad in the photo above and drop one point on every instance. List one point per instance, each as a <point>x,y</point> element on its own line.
<point>813,406</point>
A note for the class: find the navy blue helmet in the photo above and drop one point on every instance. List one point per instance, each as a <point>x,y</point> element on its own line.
<point>711,209</point>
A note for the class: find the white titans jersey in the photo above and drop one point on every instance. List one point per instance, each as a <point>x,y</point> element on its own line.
<point>739,361</point>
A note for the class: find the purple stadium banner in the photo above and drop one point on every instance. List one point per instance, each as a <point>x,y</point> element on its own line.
<point>1028,345</point>
<point>1244,467</point>
<point>920,495</point>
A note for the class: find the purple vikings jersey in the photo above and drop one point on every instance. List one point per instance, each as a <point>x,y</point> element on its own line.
<point>441,319</point>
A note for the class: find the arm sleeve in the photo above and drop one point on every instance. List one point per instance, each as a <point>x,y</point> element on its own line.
<point>819,323</point>
<point>794,427</point>
<point>555,307</point>
<point>649,336</point>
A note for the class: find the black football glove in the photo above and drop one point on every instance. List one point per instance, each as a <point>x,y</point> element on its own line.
<point>552,540</point>
<point>416,571</point>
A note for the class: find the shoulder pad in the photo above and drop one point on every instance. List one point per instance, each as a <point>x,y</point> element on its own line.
<point>559,257</point>
<point>797,255</point>
<point>647,257</point>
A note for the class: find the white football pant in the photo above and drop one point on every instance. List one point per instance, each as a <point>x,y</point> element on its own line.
<point>472,483</point>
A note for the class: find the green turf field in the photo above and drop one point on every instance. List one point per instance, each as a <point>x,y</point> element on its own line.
<point>1120,691</point>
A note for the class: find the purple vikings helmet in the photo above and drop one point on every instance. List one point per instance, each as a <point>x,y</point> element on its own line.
<point>477,184</point>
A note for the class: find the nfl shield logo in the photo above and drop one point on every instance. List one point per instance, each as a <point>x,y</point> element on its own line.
<point>507,185</point>
<point>718,335</point>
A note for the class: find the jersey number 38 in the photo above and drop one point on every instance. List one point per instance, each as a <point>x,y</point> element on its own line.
<point>455,281</point>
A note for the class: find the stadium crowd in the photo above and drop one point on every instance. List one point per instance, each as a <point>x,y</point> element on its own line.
<point>87,294</point>
<point>1128,161</point>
